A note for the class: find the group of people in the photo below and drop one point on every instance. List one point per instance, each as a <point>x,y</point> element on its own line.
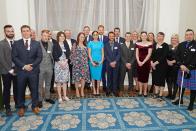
<point>94,58</point>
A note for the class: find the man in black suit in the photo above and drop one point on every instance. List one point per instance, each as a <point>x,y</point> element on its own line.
<point>7,68</point>
<point>118,39</point>
<point>70,42</point>
<point>112,55</point>
<point>27,56</point>
<point>88,36</point>
<point>105,40</point>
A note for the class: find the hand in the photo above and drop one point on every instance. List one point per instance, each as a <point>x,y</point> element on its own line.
<point>128,65</point>
<point>62,65</point>
<point>170,63</point>
<point>28,67</point>
<point>113,64</point>
<point>140,63</point>
<point>184,68</point>
<point>11,71</point>
<point>153,65</point>
<point>93,63</point>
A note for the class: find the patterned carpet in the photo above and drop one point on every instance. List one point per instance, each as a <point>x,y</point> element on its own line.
<point>118,114</point>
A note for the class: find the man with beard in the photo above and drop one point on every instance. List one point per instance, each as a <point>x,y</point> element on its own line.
<point>7,68</point>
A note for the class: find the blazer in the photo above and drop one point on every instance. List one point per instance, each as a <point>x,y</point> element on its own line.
<point>127,54</point>
<point>186,56</point>
<point>57,51</point>
<point>105,39</point>
<point>121,40</point>
<point>21,56</point>
<point>90,38</point>
<point>5,57</point>
<point>112,55</point>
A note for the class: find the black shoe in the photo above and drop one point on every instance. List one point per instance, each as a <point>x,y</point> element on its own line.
<point>40,105</point>
<point>52,90</point>
<point>50,101</point>
<point>145,95</point>
<point>139,95</point>
<point>8,112</point>
<point>168,97</point>
<point>190,108</point>
<point>177,102</point>
<point>107,94</point>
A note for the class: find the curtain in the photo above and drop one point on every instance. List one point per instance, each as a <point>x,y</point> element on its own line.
<point>129,15</point>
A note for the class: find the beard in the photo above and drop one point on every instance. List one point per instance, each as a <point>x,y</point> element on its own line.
<point>11,36</point>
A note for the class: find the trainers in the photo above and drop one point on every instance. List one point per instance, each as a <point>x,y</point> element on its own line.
<point>66,98</point>
<point>60,100</point>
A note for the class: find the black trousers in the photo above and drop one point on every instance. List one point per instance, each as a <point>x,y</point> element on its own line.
<point>8,80</point>
<point>52,82</point>
<point>22,79</point>
<point>172,85</point>
<point>192,98</point>
<point>112,79</point>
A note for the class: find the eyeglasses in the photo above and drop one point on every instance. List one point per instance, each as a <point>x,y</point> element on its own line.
<point>95,34</point>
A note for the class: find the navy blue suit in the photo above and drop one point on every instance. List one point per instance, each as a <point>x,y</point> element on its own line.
<point>88,39</point>
<point>21,57</point>
<point>103,75</point>
<point>111,56</point>
<point>120,40</point>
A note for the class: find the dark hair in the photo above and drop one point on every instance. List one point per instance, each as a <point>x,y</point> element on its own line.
<point>59,34</point>
<point>127,33</point>
<point>77,42</point>
<point>100,26</point>
<point>7,26</point>
<point>94,32</point>
<point>161,33</point>
<point>25,26</point>
<point>144,32</point>
<point>116,28</point>
<point>111,32</point>
<point>190,30</point>
<point>45,31</point>
<point>152,35</point>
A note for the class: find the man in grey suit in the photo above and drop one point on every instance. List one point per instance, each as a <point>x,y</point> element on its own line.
<point>7,67</point>
<point>127,61</point>
<point>46,69</point>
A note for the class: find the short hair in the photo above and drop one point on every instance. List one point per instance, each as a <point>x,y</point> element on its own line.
<point>127,33</point>
<point>7,26</point>
<point>95,32</point>
<point>116,28</point>
<point>67,30</point>
<point>59,34</point>
<point>187,30</point>
<point>86,26</point>
<point>161,33</point>
<point>45,31</point>
<point>111,32</point>
<point>25,26</point>
<point>144,32</point>
<point>100,26</point>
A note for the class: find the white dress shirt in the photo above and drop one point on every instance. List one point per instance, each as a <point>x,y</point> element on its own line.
<point>69,43</point>
<point>29,42</point>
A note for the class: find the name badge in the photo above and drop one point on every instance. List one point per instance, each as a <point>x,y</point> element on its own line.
<point>172,48</point>
<point>64,50</point>
<point>115,48</point>
<point>132,48</point>
<point>121,43</point>
<point>192,49</point>
<point>48,52</point>
<point>160,46</point>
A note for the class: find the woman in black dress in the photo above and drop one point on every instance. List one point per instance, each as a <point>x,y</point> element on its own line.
<point>172,71</point>
<point>159,64</point>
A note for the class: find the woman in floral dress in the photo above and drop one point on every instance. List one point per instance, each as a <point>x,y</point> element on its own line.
<point>80,69</point>
<point>60,54</point>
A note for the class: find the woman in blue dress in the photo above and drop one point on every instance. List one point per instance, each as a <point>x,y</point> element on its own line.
<point>96,56</point>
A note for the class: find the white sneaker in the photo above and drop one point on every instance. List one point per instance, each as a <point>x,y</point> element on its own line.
<point>66,98</point>
<point>60,100</point>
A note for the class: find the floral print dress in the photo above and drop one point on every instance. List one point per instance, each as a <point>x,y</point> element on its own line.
<point>79,60</point>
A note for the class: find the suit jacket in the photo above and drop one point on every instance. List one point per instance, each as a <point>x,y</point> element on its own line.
<point>72,42</point>
<point>21,56</point>
<point>57,51</point>
<point>127,53</point>
<point>187,56</point>
<point>105,39</point>
<point>90,38</point>
<point>120,40</point>
<point>112,55</point>
<point>5,57</point>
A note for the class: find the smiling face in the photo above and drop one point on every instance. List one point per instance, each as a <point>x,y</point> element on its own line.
<point>61,38</point>
<point>26,32</point>
<point>111,37</point>
<point>189,36</point>
<point>143,36</point>
<point>81,38</point>
<point>95,36</point>
<point>160,38</point>
<point>45,37</point>
<point>9,32</point>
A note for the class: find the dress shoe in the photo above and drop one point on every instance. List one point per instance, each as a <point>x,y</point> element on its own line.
<point>36,110</point>
<point>50,101</point>
<point>21,112</point>
<point>52,91</point>
<point>190,108</point>
<point>8,112</point>
<point>40,105</point>
<point>177,102</point>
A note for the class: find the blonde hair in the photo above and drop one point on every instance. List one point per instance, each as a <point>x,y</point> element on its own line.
<point>175,35</point>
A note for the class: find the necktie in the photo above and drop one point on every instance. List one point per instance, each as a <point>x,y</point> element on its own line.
<point>187,44</point>
<point>26,44</point>
<point>11,43</point>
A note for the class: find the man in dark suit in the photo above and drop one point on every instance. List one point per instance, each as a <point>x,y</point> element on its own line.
<point>127,60</point>
<point>112,55</point>
<point>70,42</point>
<point>27,56</point>
<point>88,36</point>
<point>105,40</point>
<point>7,68</point>
<point>53,41</point>
<point>118,39</point>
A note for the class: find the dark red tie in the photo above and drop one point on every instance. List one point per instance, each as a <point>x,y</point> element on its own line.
<point>26,44</point>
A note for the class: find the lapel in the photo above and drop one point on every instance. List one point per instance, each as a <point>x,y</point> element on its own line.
<point>7,44</point>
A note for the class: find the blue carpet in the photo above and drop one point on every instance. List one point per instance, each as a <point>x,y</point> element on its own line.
<point>111,114</point>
